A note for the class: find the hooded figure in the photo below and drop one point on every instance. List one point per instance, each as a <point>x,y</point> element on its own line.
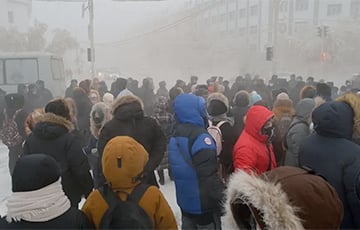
<point>52,136</point>
<point>239,110</point>
<point>253,151</point>
<point>121,178</point>
<point>100,114</point>
<point>284,198</point>
<point>192,159</point>
<point>218,108</point>
<point>129,120</point>
<point>147,96</point>
<point>299,129</point>
<point>331,153</point>
<point>353,100</point>
<point>38,200</point>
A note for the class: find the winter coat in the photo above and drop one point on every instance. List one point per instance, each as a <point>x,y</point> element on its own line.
<point>331,153</point>
<point>281,200</point>
<point>251,152</point>
<point>281,108</point>
<point>239,114</point>
<point>299,129</point>
<point>51,136</point>
<point>129,120</point>
<point>83,105</point>
<point>134,158</point>
<point>99,115</point>
<point>198,186</point>
<point>71,219</point>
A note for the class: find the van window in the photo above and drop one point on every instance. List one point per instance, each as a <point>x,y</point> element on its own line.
<point>57,69</point>
<point>1,72</point>
<point>21,71</point>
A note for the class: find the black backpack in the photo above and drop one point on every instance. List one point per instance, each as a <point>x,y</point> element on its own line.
<point>125,214</point>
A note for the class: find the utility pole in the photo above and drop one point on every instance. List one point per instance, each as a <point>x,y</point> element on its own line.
<point>91,53</point>
<point>276,5</point>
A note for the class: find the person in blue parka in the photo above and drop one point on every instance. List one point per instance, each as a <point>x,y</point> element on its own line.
<point>192,159</point>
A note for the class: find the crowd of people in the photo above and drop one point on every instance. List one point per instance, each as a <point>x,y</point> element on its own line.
<point>282,155</point>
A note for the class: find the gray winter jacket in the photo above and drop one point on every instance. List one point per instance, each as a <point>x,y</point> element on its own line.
<point>298,131</point>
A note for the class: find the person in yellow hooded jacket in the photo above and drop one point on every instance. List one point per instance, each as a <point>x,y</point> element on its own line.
<point>121,179</point>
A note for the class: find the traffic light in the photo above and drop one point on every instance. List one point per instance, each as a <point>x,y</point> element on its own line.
<point>323,57</point>
<point>326,31</point>
<point>319,31</point>
<point>269,53</point>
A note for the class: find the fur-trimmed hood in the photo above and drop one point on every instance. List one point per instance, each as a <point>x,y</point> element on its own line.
<point>354,101</point>
<point>100,114</point>
<point>51,126</point>
<point>282,107</point>
<point>219,97</point>
<point>128,107</point>
<point>280,199</point>
<point>268,198</point>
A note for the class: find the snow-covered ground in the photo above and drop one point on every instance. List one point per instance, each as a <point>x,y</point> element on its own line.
<point>5,186</point>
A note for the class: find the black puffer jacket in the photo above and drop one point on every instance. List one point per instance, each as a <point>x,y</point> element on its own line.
<point>129,120</point>
<point>332,154</point>
<point>51,136</point>
<point>71,219</point>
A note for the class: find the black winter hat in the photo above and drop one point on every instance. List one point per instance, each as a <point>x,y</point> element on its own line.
<point>216,107</point>
<point>14,100</point>
<point>58,107</point>
<point>33,172</point>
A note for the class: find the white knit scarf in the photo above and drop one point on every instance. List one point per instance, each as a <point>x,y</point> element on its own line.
<point>38,206</point>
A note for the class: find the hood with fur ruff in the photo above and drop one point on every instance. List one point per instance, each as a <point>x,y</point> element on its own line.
<point>268,198</point>
<point>128,107</point>
<point>51,126</point>
<point>100,114</point>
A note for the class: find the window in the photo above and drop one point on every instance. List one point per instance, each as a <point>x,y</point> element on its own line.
<point>21,71</point>
<point>284,6</point>
<point>10,17</point>
<point>301,5</point>
<point>57,69</point>
<point>355,9</point>
<point>1,72</point>
<point>253,10</point>
<point>232,15</point>
<point>253,29</point>
<point>242,13</point>
<point>334,9</point>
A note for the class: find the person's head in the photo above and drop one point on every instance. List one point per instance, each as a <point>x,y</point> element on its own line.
<point>73,83</point>
<point>21,89</point>
<point>254,97</point>
<point>194,80</point>
<point>99,115</point>
<point>308,92</point>
<point>108,98</point>
<point>175,92</point>
<point>348,83</point>
<point>94,96</point>
<point>217,104</point>
<point>304,109</point>
<point>292,77</point>
<point>323,90</point>
<point>40,84</point>
<point>310,81</point>
<point>32,119</point>
<point>202,91</point>
<point>226,83</point>
<point>72,108</point>
<point>162,84</point>
<point>123,162</point>
<point>32,88</point>
<point>242,99</point>
<point>58,107</point>
<point>180,83</point>
<point>190,109</point>
<point>259,123</point>
<point>85,85</point>
<point>299,78</point>
<point>280,199</point>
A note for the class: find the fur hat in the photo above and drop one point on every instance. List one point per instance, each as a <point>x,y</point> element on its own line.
<point>242,98</point>
<point>33,172</point>
<point>283,96</point>
<point>58,107</point>
<point>217,104</point>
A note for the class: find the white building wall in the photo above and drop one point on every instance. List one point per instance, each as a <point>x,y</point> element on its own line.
<point>15,14</point>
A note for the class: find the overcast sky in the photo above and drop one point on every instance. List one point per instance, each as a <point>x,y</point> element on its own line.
<point>113,20</point>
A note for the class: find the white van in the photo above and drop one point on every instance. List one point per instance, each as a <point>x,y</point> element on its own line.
<point>27,68</point>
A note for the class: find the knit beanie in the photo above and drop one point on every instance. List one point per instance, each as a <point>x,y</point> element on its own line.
<point>254,97</point>
<point>33,172</point>
<point>242,98</point>
<point>58,107</point>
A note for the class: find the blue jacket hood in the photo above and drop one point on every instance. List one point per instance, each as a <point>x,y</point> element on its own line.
<point>190,109</point>
<point>334,119</point>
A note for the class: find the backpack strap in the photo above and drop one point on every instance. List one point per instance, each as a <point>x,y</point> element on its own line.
<point>138,192</point>
<point>220,124</point>
<point>111,199</point>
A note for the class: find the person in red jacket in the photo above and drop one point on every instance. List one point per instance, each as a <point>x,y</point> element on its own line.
<point>253,151</point>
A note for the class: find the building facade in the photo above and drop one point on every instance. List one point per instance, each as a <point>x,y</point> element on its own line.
<point>15,14</point>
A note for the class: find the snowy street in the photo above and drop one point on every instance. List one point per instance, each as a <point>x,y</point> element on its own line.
<point>5,186</point>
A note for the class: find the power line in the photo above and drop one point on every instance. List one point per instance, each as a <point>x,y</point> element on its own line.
<point>158,30</point>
